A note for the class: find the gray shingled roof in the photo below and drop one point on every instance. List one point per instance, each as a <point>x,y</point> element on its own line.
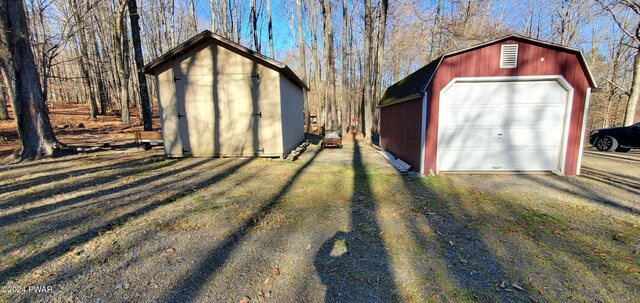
<point>412,84</point>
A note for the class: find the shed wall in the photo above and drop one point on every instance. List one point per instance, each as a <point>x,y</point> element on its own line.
<point>484,62</point>
<point>292,114</point>
<point>400,133</point>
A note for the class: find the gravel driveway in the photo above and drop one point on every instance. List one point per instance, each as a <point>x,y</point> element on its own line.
<point>609,182</point>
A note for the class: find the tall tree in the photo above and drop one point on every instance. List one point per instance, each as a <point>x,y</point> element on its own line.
<point>270,29</point>
<point>194,18</point>
<point>343,70</point>
<point>121,45</point>
<point>212,10</point>
<point>254,26</point>
<point>18,65</point>
<point>616,9</point>
<point>84,61</point>
<point>303,64</point>
<point>368,53</point>
<point>382,29</point>
<point>139,58</point>
<point>329,60</point>
<point>4,115</point>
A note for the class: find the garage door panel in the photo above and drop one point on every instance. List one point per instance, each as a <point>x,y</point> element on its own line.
<point>468,137</point>
<point>520,159</point>
<point>467,159</point>
<point>502,126</point>
<point>538,136</point>
<point>527,114</point>
<point>488,93</point>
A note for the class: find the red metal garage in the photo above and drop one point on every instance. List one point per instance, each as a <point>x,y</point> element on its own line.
<point>513,104</point>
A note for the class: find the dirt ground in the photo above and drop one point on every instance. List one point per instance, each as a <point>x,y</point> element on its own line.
<point>72,127</point>
<point>337,225</point>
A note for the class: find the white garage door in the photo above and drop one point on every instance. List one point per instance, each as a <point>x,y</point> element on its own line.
<point>501,126</point>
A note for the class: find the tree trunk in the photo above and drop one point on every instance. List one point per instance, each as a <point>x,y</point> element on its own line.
<point>270,29</point>
<point>368,50</point>
<point>329,60</point>
<point>344,100</point>
<point>380,56</point>
<point>194,18</point>
<point>84,61</point>
<point>17,61</point>
<point>102,89</point>
<point>213,16</point>
<point>254,26</point>
<point>630,112</point>
<point>303,63</point>
<point>121,46</point>
<point>145,105</point>
<point>4,115</point>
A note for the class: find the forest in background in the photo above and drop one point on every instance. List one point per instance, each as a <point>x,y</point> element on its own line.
<point>347,51</point>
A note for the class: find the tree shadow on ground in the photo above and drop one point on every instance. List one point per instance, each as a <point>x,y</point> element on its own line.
<point>471,265</point>
<point>354,265</point>
<point>33,261</point>
<point>582,189</point>
<point>188,288</point>
<point>120,169</point>
<point>486,238</point>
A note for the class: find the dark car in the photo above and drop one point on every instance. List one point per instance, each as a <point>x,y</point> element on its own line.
<point>620,139</point>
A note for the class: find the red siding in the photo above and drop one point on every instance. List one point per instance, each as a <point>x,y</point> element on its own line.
<point>484,62</point>
<point>400,131</point>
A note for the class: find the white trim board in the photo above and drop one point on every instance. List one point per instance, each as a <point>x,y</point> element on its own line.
<point>423,133</point>
<point>587,100</point>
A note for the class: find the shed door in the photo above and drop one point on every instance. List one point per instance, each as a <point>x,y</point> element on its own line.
<point>501,126</point>
<point>220,115</point>
<point>240,114</point>
<point>196,114</point>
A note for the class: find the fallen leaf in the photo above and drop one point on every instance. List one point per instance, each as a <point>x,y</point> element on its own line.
<point>245,300</point>
<point>556,232</point>
<point>435,296</point>
<point>170,250</point>
<point>275,271</point>
<point>516,286</point>
<point>634,269</point>
<point>260,293</point>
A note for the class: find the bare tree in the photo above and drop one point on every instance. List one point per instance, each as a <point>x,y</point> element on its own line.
<point>121,45</point>
<point>330,63</point>
<point>254,26</point>
<point>270,29</point>
<point>303,63</point>
<point>142,78</point>
<point>344,99</point>
<point>616,9</point>
<point>382,29</point>
<point>368,53</point>
<point>18,65</point>
<point>194,18</point>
